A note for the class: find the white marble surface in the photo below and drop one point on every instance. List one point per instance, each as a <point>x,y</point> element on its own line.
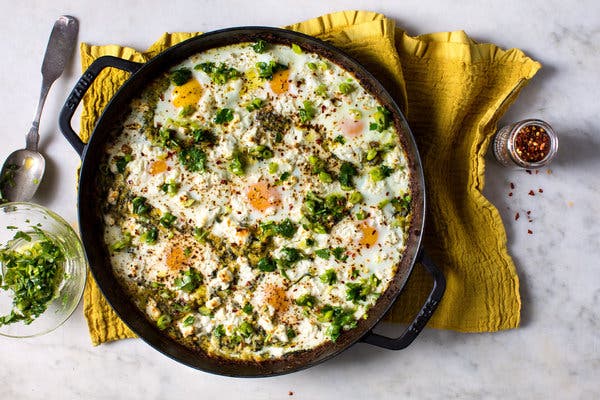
<point>555,354</point>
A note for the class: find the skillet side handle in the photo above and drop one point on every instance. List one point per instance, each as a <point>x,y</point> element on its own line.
<point>413,330</point>
<point>82,86</point>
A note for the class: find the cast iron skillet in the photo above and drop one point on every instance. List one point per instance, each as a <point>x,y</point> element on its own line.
<point>90,220</point>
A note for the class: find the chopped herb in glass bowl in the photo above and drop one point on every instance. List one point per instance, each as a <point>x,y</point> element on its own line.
<point>43,270</point>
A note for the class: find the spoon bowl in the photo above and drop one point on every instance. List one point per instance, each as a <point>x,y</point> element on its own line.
<point>21,175</point>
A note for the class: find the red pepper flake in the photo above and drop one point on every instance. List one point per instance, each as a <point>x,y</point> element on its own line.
<point>512,185</point>
<point>528,171</point>
<point>510,194</point>
<point>540,190</point>
<point>531,193</point>
<point>290,393</point>
<point>517,216</point>
<point>528,212</point>
<point>532,143</point>
<point>530,231</point>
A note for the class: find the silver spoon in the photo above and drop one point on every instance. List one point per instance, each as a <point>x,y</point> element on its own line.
<point>23,170</point>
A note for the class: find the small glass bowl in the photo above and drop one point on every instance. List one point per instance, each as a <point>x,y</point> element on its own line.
<point>24,217</point>
<point>505,144</point>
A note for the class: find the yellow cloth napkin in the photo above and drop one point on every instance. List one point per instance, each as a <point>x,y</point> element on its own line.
<point>453,91</point>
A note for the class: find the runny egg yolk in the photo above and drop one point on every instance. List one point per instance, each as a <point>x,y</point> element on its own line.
<point>352,128</point>
<point>187,94</point>
<point>280,82</point>
<point>369,235</point>
<point>262,196</point>
<point>158,167</point>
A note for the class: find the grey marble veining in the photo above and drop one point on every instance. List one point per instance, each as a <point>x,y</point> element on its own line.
<point>555,354</point>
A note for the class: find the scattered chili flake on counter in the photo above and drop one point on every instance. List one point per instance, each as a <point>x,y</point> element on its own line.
<point>517,216</point>
<point>531,193</point>
<point>540,190</point>
<point>512,185</point>
<point>529,231</point>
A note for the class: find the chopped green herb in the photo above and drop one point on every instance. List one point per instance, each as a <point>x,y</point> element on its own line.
<point>189,281</point>
<point>247,309</point>
<point>306,300</point>
<point>323,253</point>
<point>163,322</point>
<point>219,74</point>
<point>273,167</point>
<point>123,243</point>
<point>167,220</point>
<point>261,152</point>
<point>307,112</point>
<point>181,76</point>
<point>188,321</point>
<point>33,273</point>
<point>291,333</point>
<point>312,66</point>
<point>284,176</point>
<point>285,228</point>
<point>150,236</point>
<point>340,319</point>
<point>325,177</point>
<point>339,253</point>
<point>203,136</point>
<point>323,213</point>
<point>266,70</point>
<point>347,172</point>
<point>380,172</point>
<point>321,90</point>
<point>382,120</point>
<point>339,139</point>
<point>22,235</point>
<point>122,161</point>
<point>219,331</point>
<point>296,49</point>
<point>346,88</point>
<point>329,277</point>
<point>171,187</point>
<point>237,165</point>
<point>310,242</point>
<point>255,104</point>
<point>402,204</point>
<point>355,197</point>
<point>245,329</point>
<point>200,234</point>
<point>193,159</point>
<point>266,264</point>
<point>359,291</point>
<point>260,46</point>
<point>140,207</point>
<point>187,110</point>
<point>223,116</point>
<point>290,256</point>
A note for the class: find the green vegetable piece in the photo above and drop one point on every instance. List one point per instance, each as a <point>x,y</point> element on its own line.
<point>245,329</point>
<point>325,177</point>
<point>273,167</point>
<point>203,136</point>
<point>223,116</point>
<point>193,159</point>
<point>307,112</point>
<point>322,214</point>
<point>247,309</point>
<point>267,70</point>
<point>171,188</point>
<point>296,49</point>
<point>339,139</point>
<point>163,322</point>
<point>380,173</point>
<point>167,220</point>
<point>122,161</point>
<point>33,274</point>
<point>237,165</point>
<point>347,172</point>
<point>329,277</point>
<point>402,204</point>
<point>266,264</point>
<point>291,333</point>
<point>187,110</point>
<point>219,74</point>
<point>290,256</point>
<point>339,253</point>
<point>323,253</point>
<point>340,319</point>
<point>188,321</point>
<point>189,281</point>
<point>346,88</point>
<point>261,152</point>
<point>286,228</point>
<point>312,66</point>
<point>306,300</point>
<point>356,114</point>
<point>140,207</point>
<point>150,236</point>
<point>123,243</point>
<point>255,104</point>
<point>359,291</point>
<point>219,331</point>
<point>361,215</point>
<point>382,120</point>
<point>321,91</point>
<point>371,154</point>
<point>200,234</point>
<point>181,76</point>
<point>355,197</point>
<point>260,46</point>
<point>284,176</point>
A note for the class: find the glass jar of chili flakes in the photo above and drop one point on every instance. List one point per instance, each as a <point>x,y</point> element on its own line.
<point>530,144</point>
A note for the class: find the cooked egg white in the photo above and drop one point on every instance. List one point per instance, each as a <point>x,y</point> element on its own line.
<point>188,233</point>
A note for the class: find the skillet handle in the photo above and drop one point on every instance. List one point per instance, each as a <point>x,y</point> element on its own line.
<point>413,330</point>
<point>82,86</point>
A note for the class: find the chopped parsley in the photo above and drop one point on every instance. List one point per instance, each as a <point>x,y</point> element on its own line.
<point>171,188</point>
<point>382,120</point>
<point>267,70</point>
<point>266,264</point>
<point>340,319</point>
<point>223,116</point>
<point>329,277</point>
<point>321,214</point>
<point>122,161</point>
<point>339,253</point>
<point>193,159</point>
<point>255,104</point>
<point>140,206</point>
<point>203,136</point>
<point>261,152</point>
<point>306,300</point>
<point>307,111</point>
<point>189,281</point>
<point>180,76</point>
<point>219,74</point>
<point>346,88</point>
<point>323,253</point>
<point>260,46</point>
<point>167,220</point>
<point>150,236</point>
<point>285,228</point>
<point>347,172</point>
<point>237,165</point>
<point>359,291</point>
<point>247,309</point>
<point>33,273</point>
